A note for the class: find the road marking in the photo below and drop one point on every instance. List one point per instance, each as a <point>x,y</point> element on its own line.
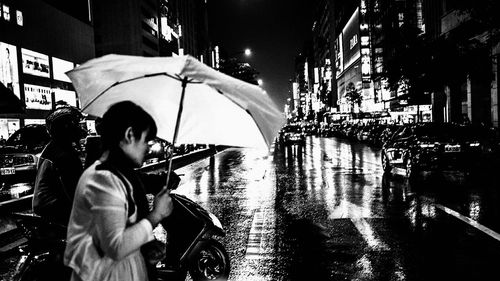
<point>358,215</point>
<point>369,234</point>
<point>469,221</point>
<point>256,237</point>
<point>349,210</point>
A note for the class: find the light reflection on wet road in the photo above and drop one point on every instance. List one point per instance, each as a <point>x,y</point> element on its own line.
<point>326,212</point>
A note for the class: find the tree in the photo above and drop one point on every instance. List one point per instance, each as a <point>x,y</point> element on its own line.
<point>240,70</point>
<point>353,96</point>
<point>408,61</point>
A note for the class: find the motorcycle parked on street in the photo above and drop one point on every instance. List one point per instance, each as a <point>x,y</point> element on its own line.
<point>41,257</point>
<point>191,246</point>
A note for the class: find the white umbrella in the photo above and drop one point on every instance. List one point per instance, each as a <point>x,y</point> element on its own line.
<point>217,108</point>
<point>190,102</point>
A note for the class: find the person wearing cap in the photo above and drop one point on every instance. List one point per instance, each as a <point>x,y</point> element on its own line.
<point>59,166</point>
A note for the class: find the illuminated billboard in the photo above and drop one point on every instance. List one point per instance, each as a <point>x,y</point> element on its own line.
<point>351,40</point>
<point>339,56</point>
<point>60,67</point>
<point>9,75</point>
<point>68,97</point>
<point>35,63</point>
<point>37,97</point>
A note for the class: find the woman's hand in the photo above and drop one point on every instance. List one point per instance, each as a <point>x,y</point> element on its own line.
<point>162,208</point>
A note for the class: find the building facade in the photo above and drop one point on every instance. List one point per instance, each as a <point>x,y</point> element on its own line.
<point>39,42</point>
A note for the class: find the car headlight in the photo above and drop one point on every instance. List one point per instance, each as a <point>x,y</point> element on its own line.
<point>155,148</point>
<point>474,144</point>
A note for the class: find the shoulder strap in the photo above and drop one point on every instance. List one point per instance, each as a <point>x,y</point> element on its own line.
<point>108,167</point>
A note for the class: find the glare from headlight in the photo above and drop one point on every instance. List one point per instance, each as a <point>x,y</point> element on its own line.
<point>155,148</point>
<point>215,220</point>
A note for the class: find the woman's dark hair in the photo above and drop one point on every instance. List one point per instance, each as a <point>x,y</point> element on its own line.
<point>119,117</point>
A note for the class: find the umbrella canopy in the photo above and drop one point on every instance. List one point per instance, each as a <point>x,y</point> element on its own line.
<point>9,103</point>
<point>217,109</point>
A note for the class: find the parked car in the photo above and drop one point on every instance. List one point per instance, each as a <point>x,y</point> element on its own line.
<point>292,134</point>
<point>18,160</point>
<point>429,147</point>
<point>374,135</point>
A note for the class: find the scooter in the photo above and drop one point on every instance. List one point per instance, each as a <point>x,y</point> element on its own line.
<point>41,257</point>
<point>191,246</point>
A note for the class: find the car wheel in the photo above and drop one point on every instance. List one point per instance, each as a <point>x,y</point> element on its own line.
<point>386,166</point>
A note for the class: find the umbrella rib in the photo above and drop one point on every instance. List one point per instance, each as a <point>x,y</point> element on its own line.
<point>130,80</point>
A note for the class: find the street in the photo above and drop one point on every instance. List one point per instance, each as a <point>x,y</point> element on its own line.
<point>326,212</point>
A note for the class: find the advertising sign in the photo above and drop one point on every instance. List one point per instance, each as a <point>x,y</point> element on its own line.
<point>7,128</point>
<point>60,67</point>
<point>8,67</point>
<point>68,97</point>
<point>5,12</point>
<point>339,56</point>
<point>37,97</point>
<point>35,63</point>
<point>351,38</point>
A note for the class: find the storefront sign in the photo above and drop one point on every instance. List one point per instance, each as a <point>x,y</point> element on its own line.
<point>8,67</point>
<point>38,97</point>
<point>35,63</point>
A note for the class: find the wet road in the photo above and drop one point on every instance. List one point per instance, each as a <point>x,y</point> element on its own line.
<point>326,212</point>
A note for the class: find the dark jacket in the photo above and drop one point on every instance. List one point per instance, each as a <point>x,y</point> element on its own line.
<point>59,169</point>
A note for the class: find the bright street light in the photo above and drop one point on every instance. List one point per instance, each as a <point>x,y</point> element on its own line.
<point>248,52</point>
<point>260,82</point>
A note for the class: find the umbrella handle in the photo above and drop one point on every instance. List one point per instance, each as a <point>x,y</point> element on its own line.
<point>177,123</point>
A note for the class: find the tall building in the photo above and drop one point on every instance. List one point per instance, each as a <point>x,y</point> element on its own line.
<point>39,42</point>
<point>151,28</point>
<point>389,22</point>
<point>323,37</point>
<point>470,73</point>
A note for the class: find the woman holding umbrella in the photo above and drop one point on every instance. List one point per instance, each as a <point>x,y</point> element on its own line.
<point>110,221</point>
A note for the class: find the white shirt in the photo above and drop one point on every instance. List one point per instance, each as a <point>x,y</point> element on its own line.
<point>103,242</point>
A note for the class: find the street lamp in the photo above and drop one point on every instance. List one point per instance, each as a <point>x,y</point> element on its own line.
<point>247,52</point>
<point>260,82</point>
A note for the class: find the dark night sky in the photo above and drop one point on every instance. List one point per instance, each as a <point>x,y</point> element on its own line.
<point>274,30</point>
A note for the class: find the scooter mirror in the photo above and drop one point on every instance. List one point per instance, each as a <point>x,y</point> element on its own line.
<point>174,181</point>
